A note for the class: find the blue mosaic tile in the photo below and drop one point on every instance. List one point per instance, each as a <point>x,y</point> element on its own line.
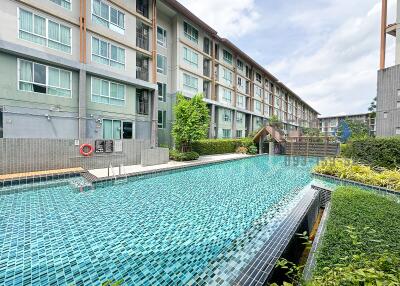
<point>197,226</point>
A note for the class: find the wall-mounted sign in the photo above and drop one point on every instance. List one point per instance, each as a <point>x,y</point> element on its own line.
<point>104,146</point>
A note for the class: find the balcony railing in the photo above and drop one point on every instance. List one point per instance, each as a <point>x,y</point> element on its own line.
<point>142,7</point>
<point>142,73</point>
<point>142,41</point>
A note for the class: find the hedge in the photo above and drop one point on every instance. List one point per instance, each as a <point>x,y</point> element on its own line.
<point>183,156</point>
<point>379,152</point>
<point>363,211</point>
<point>360,245</point>
<point>220,146</point>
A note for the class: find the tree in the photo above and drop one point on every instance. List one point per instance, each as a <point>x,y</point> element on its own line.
<point>192,120</point>
<point>358,129</point>
<point>315,132</point>
<point>275,122</point>
<point>372,108</point>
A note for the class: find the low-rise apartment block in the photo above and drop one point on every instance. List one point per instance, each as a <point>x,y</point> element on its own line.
<point>330,125</point>
<point>111,69</point>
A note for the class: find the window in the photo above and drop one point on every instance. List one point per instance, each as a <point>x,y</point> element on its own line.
<point>190,57</point>
<point>44,32</point>
<point>227,115</point>
<point>397,130</point>
<point>142,102</point>
<point>239,81</point>
<point>108,92</point>
<point>161,37</point>
<point>258,91</point>
<point>108,16</point>
<point>127,130</point>
<point>240,101</point>
<point>34,77</point>
<point>107,54</point>
<point>227,96</point>
<point>162,91</point>
<point>63,3</point>
<point>385,115</point>
<point>258,105</point>
<point>161,64</point>
<point>206,46</point>
<point>239,117</point>
<point>239,133</point>
<point>226,133</point>
<point>190,32</point>
<point>398,104</point>
<point>239,64</point>
<point>258,77</point>
<point>162,119</point>
<point>111,129</point>
<point>190,83</point>
<point>227,56</point>
<point>227,76</point>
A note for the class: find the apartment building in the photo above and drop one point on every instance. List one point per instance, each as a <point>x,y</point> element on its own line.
<point>330,125</point>
<point>388,95</point>
<point>76,69</point>
<point>112,68</point>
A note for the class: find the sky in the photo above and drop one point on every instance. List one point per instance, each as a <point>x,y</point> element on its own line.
<point>326,51</point>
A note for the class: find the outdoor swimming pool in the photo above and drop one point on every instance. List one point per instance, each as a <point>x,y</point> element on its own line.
<point>193,226</point>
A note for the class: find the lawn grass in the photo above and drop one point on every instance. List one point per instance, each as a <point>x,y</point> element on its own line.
<point>359,209</point>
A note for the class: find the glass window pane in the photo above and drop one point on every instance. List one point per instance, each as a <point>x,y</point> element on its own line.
<point>40,25</point>
<point>65,79</point>
<point>117,129</point>
<point>127,130</point>
<point>54,77</point>
<point>65,35</point>
<point>104,49</point>
<point>96,83</point>
<point>25,71</point>
<point>113,90</point>
<point>39,73</point>
<point>104,88</point>
<point>107,129</point>
<point>25,20</point>
<point>54,31</point>
<point>96,7</point>
<point>95,46</point>
<point>104,11</point>
<point>114,16</point>
<point>121,19</point>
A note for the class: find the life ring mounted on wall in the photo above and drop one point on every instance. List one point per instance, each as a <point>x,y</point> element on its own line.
<point>86,150</point>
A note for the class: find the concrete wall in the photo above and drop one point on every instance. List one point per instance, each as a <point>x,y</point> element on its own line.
<point>26,155</point>
<point>388,114</point>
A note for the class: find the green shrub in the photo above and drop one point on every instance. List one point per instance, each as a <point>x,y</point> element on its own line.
<point>252,150</point>
<point>380,152</point>
<point>183,156</point>
<point>347,169</point>
<point>220,146</point>
<point>362,234</point>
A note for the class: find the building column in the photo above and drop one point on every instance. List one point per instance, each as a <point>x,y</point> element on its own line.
<point>82,105</point>
<point>212,122</point>
<point>154,118</point>
<point>234,124</point>
<point>251,124</point>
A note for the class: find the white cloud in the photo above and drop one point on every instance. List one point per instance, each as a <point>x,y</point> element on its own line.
<point>339,76</point>
<point>231,18</point>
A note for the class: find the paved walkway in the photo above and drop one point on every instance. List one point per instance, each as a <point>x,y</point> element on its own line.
<point>135,169</point>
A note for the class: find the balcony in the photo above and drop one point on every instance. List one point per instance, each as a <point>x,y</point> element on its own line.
<point>142,73</point>
<point>142,41</point>
<point>142,7</point>
<point>206,68</point>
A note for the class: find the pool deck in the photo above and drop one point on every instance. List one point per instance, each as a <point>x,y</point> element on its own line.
<point>139,169</point>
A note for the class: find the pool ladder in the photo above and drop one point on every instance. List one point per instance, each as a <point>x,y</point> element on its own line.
<point>121,173</point>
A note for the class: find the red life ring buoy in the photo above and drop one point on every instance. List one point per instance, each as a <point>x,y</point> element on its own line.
<point>86,153</point>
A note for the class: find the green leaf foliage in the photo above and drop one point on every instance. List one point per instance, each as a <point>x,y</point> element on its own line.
<point>183,156</point>
<point>348,169</point>
<point>359,130</point>
<point>361,242</point>
<point>221,146</point>
<point>192,120</point>
<point>379,152</point>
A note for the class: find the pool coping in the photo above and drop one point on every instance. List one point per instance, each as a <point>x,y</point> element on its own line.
<point>258,271</point>
<point>358,184</point>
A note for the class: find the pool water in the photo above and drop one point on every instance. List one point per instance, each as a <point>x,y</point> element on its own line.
<point>173,228</point>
